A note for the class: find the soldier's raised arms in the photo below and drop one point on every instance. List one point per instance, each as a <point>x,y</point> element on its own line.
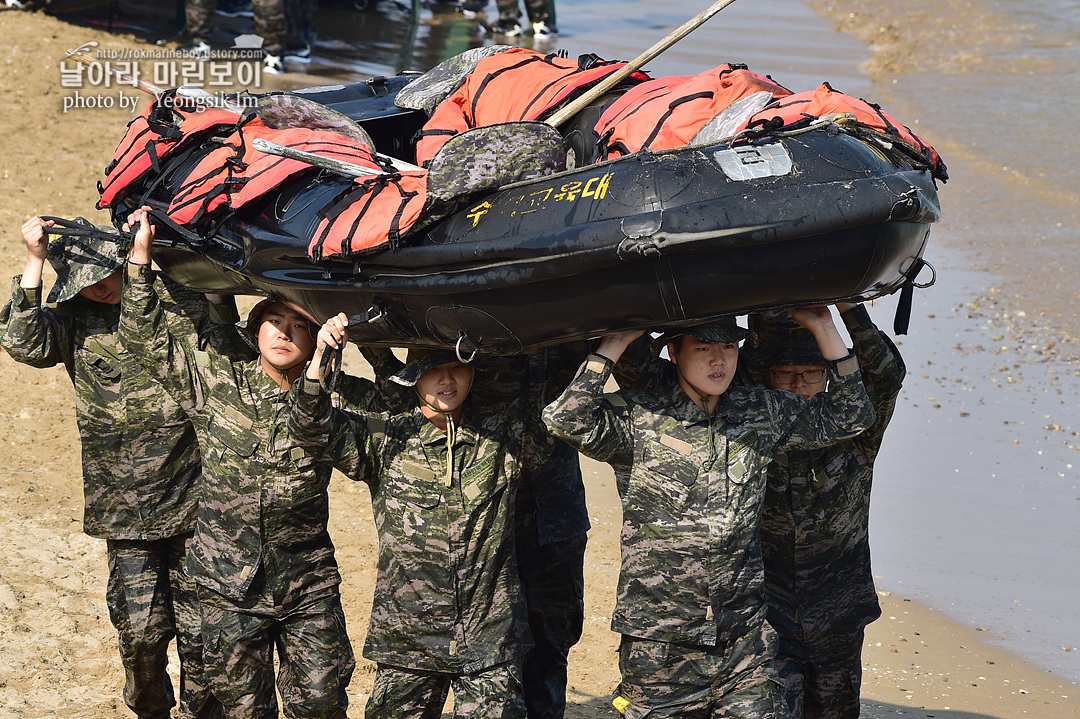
<point>140,460</point>
<point>689,455</point>
<point>262,558</point>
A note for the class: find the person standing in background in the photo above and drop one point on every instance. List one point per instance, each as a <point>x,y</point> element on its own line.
<point>301,19</point>
<point>539,13</point>
<point>551,524</point>
<point>269,25</point>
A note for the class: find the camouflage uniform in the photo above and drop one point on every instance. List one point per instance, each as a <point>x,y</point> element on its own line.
<point>261,555</point>
<point>818,581</point>
<point>550,526</point>
<point>140,468</point>
<point>448,610</point>
<point>270,22</point>
<point>692,487</point>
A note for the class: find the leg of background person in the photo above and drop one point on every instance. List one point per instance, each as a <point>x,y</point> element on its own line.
<point>301,19</point>
<point>552,577</point>
<point>834,679</point>
<point>537,10</point>
<point>509,13</point>
<point>196,700</point>
<point>494,693</point>
<point>315,661</point>
<point>200,15</point>
<point>238,654</point>
<point>141,610</point>
<point>401,693</point>
<point>270,24</point>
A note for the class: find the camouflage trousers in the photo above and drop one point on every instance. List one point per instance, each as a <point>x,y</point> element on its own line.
<point>314,654</point>
<point>553,580</point>
<point>730,681</point>
<point>510,11</point>
<point>269,22</point>
<point>825,682</point>
<point>399,693</point>
<point>152,599</point>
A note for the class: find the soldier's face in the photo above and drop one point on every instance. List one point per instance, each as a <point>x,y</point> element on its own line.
<point>805,380</point>
<point>704,366</point>
<point>284,337</point>
<point>106,291</point>
<point>445,387</point>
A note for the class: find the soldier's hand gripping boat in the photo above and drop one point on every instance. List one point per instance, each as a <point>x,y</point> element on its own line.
<point>514,235</point>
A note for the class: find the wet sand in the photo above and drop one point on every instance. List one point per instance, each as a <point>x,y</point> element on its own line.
<point>58,647</point>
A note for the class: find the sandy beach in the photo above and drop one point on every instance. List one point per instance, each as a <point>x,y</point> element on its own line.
<point>58,648</point>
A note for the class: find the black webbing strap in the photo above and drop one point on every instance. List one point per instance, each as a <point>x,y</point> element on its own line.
<point>903,306</point>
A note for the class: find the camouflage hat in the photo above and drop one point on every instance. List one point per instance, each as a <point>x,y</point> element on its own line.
<point>721,331</point>
<point>777,339</point>
<point>419,361</point>
<point>81,261</point>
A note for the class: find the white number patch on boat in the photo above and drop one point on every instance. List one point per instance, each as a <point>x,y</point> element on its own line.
<point>748,163</point>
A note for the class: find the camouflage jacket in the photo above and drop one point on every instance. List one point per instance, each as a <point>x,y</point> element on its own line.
<point>554,493</point>
<point>447,595</point>
<point>263,505</point>
<point>817,503</point>
<point>692,488</point>
<point>139,455</point>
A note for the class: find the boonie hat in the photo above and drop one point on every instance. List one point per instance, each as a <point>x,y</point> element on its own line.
<point>419,361</point>
<point>777,339</point>
<point>721,331</point>
<point>82,261</point>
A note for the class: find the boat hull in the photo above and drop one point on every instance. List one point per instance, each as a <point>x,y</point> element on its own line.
<point>639,242</point>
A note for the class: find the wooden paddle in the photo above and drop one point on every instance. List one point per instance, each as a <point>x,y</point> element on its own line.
<point>573,108</point>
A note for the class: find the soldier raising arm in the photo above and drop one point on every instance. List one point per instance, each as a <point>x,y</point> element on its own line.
<point>140,460</point>
<point>448,609</point>
<point>262,557</point>
<point>690,458</point>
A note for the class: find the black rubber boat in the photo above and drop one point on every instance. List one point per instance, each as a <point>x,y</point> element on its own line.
<point>647,240</point>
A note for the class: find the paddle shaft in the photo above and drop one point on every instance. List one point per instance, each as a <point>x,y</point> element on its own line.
<point>347,169</point>
<point>143,85</point>
<point>573,108</point>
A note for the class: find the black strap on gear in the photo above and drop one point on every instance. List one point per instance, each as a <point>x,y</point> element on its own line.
<point>903,306</point>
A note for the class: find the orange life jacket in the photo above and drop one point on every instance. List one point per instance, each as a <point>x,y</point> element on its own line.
<point>235,173</point>
<point>515,85</point>
<point>803,107</point>
<point>665,113</point>
<point>152,137</point>
<point>375,211</point>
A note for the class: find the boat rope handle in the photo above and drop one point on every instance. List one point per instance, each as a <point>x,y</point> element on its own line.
<point>463,337</point>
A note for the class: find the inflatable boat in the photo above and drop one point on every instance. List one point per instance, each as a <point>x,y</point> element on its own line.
<point>779,217</point>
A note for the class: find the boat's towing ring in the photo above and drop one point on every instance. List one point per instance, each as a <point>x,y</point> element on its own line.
<point>924,285</point>
<point>463,338</point>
